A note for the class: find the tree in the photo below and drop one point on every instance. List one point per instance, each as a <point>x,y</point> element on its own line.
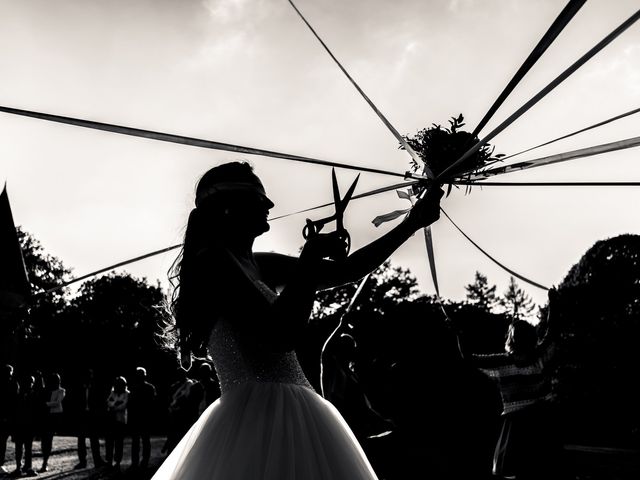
<point>43,310</point>
<point>480,294</point>
<point>45,271</point>
<point>386,285</point>
<point>121,321</point>
<point>598,315</point>
<point>516,302</point>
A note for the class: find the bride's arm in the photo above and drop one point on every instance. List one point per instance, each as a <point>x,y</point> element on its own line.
<point>280,268</point>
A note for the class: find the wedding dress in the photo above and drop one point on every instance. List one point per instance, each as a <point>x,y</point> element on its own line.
<point>269,423</point>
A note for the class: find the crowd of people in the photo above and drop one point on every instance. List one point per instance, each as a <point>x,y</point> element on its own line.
<point>36,407</point>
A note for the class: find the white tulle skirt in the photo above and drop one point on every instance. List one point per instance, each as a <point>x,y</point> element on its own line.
<point>268,431</point>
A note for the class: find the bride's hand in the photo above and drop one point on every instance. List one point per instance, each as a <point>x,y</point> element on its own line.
<point>426,210</point>
<point>325,245</point>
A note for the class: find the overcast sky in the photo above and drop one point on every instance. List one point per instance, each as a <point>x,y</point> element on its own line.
<point>249,72</point>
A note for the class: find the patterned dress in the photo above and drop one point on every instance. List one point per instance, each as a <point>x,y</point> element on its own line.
<point>525,388</point>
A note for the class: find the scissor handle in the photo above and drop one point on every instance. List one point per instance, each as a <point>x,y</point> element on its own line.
<point>346,238</point>
<point>311,229</point>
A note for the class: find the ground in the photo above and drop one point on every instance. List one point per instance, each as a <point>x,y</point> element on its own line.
<point>585,463</point>
<point>64,457</point>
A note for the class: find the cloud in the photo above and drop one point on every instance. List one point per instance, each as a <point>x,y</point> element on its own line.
<point>457,5</point>
<point>621,68</point>
<point>232,10</point>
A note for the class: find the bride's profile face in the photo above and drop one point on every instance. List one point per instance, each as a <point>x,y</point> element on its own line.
<point>248,212</point>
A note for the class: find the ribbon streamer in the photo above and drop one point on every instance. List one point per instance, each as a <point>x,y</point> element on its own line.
<point>387,217</point>
<point>194,142</point>
<point>560,157</point>
<point>545,42</point>
<point>428,239</point>
<point>400,138</point>
<point>512,272</point>
<point>416,158</point>
<point>340,323</point>
<point>111,267</point>
<point>173,247</point>
<point>542,93</point>
<point>591,127</point>
<point>362,195</point>
<point>547,184</point>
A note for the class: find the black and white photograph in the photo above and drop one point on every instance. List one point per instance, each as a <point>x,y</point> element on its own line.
<point>319,240</point>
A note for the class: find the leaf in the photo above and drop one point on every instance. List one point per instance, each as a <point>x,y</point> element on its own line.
<point>449,188</point>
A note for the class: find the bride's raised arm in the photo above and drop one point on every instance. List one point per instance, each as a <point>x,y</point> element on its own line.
<point>280,269</point>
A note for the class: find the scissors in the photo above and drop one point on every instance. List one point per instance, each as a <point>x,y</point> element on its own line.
<point>313,228</point>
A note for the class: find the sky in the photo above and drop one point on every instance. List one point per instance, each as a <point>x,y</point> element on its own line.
<point>249,72</point>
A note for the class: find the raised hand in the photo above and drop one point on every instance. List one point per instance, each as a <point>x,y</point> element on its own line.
<point>426,210</point>
<point>325,245</point>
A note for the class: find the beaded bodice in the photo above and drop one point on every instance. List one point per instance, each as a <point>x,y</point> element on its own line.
<point>239,359</point>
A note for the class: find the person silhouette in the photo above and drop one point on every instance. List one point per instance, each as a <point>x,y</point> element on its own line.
<point>8,397</point>
<point>24,428</point>
<point>141,410</point>
<point>117,402</point>
<point>183,410</point>
<point>247,310</point>
<point>527,446</point>
<point>54,395</point>
<point>90,406</point>
<point>208,387</point>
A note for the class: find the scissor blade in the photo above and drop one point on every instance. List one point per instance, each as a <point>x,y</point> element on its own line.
<point>336,188</point>
<point>349,194</point>
<point>343,204</point>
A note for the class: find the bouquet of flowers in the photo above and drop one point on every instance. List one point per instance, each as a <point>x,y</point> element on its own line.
<point>439,148</point>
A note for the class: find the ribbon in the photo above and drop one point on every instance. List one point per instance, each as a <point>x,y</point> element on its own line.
<point>111,267</point>
<point>173,247</point>
<point>512,272</point>
<point>545,42</point>
<point>387,217</point>
<point>194,142</point>
<point>542,93</point>
<point>428,239</point>
<point>547,184</point>
<point>416,158</point>
<point>599,124</point>
<point>560,157</point>
<point>335,331</point>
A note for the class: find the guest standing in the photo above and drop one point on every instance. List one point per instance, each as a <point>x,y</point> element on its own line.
<point>8,396</point>
<point>117,420</point>
<point>141,411</point>
<point>91,413</point>
<point>53,415</point>
<point>527,447</point>
<point>24,427</point>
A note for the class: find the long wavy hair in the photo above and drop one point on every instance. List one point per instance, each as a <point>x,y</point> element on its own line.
<point>193,309</point>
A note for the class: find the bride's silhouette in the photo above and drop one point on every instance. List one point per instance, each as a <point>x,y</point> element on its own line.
<point>245,310</point>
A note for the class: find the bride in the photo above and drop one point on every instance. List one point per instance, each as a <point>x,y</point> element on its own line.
<point>245,310</point>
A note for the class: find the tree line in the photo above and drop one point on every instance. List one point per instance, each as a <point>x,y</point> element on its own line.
<point>394,339</point>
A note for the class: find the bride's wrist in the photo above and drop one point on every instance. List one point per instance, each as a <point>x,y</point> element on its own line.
<point>410,225</point>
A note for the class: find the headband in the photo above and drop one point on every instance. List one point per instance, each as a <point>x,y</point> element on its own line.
<point>229,187</point>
